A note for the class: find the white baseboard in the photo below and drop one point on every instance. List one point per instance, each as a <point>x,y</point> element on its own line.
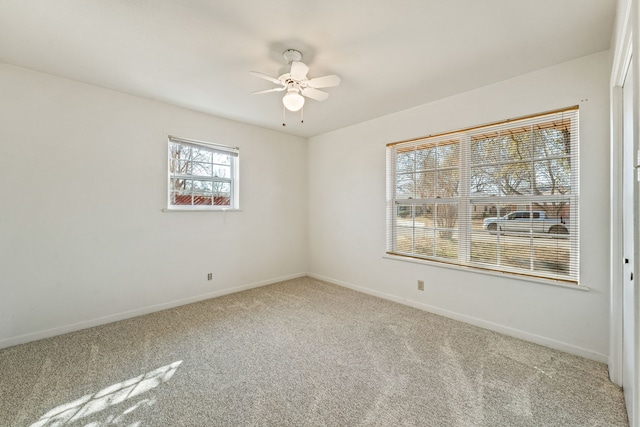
<point>506,330</point>
<point>34,336</point>
<point>517,333</point>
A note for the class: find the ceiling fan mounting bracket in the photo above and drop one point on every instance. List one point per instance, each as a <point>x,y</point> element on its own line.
<point>291,55</point>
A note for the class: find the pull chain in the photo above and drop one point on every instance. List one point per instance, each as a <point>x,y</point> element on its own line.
<point>284,117</point>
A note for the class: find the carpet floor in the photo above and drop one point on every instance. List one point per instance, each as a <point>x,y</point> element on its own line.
<point>299,353</point>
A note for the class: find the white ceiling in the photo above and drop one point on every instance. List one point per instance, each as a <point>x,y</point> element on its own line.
<point>391,55</point>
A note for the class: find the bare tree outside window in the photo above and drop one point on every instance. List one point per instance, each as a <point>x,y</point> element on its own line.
<point>534,162</point>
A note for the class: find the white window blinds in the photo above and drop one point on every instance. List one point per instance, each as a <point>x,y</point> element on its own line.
<point>501,197</point>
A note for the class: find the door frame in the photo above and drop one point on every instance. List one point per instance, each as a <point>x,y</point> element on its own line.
<point>627,53</point>
<point>621,62</point>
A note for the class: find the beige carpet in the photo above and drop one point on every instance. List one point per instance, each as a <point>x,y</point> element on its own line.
<point>299,353</point>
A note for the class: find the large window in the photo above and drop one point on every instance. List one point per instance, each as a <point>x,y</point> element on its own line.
<point>202,176</point>
<point>500,197</point>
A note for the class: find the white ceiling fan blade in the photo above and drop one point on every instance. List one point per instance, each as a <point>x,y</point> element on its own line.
<point>269,78</point>
<point>316,94</point>
<point>325,81</point>
<point>298,71</point>
<point>275,89</point>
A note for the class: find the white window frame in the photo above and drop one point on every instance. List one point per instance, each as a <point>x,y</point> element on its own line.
<point>465,202</point>
<point>232,179</point>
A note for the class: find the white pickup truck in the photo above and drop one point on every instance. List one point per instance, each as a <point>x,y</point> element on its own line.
<point>525,222</point>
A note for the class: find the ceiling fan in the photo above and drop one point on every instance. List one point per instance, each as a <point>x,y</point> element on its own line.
<point>296,83</point>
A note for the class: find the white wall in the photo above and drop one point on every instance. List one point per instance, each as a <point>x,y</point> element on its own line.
<point>347,212</point>
<point>83,240</point>
<point>83,180</point>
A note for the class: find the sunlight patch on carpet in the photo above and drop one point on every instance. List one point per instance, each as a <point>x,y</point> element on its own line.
<point>109,396</point>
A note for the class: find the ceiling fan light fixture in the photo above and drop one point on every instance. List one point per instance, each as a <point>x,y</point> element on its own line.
<point>293,101</point>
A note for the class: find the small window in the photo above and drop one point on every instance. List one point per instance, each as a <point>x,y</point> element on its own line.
<point>202,175</point>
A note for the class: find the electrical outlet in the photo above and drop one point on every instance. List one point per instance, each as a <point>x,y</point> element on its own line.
<point>210,276</point>
<point>421,285</point>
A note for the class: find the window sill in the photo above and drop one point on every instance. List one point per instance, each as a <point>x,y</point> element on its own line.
<point>513,276</point>
<point>200,210</point>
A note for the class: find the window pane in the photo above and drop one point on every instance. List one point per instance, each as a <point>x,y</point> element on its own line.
<point>222,200</point>
<point>426,182</point>
<point>404,211</point>
<point>174,148</point>
<point>515,251</point>
<point>485,181</point>
<point>202,187</point>
<point>516,179</point>
<point>518,146</point>
<point>552,143</point>
<point>556,211</point>
<point>551,254</point>
<point>184,167</point>
<point>447,244</point>
<point>425,242</point>
<point>405,186</point>
<point>221,193</point>
<point>180,151</point>
<point>446,215</point>
<point>405,162</point>
<point>179,184</point>
<point>553,176</point>
<point>482,215</point>
<point>486,151</point>
<point>202,200</point>
<point>426,158</point>
<point>424,216</point>
<point>448,155</point>
<point>221,159</point>
<point>201,169</point>
<point>446,221</point>
<point>184,185</point>
<point>173,165</point>
<point>200,154</point>
<point>487,241</point>
<point>179,198</point>
<point>484,248</point>
<point>221,188</point>
<point>448,183</point>
<point>404,239</point>
<point>222,171</point>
